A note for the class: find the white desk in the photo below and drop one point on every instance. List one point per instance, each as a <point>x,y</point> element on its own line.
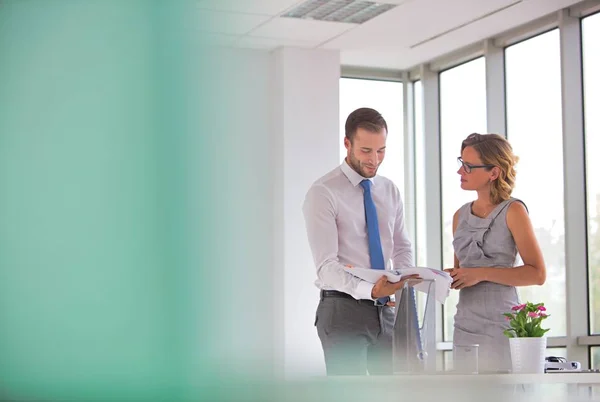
<point>507,379</point>
<point>447,388</point>
<point>548,378</point>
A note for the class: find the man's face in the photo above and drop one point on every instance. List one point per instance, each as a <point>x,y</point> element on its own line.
<point>366,152</point>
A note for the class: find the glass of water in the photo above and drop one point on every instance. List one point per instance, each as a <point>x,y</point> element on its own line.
<point>465,359</point>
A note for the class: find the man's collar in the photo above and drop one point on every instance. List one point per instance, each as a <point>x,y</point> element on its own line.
<point>352,175</point>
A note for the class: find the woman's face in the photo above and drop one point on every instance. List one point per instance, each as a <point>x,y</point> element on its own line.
<point>474,174</point>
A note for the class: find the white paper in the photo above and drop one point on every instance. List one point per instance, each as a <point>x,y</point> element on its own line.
<point>443,280</point>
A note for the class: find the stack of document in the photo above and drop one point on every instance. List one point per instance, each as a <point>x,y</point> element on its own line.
<point>442,279</point>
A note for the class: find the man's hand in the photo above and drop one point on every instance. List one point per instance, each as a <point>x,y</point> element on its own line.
<point>465,277</point>
<point>384,288</point>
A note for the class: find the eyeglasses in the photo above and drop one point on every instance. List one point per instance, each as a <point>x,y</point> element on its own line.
<point>468,167</point>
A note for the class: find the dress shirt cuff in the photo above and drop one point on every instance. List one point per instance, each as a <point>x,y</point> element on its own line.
<point>364,289</point>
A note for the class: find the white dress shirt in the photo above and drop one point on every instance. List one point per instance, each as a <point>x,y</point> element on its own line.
<point>334,214</point>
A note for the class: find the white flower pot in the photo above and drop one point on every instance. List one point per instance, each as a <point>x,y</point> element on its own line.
<point>528,354</point>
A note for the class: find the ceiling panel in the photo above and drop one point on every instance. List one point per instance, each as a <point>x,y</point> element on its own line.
<point>298,29</point>
<point>254,42</point>
<point>489,27</point>
<point>265,7</point>
<point>401,55</point>
<point>417,21</point>
<point>395,1</point>
<point>227,23</point>
<point>415,32</point>
<point>214,39</point>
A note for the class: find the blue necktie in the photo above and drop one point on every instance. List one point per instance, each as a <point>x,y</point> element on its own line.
<point>376,256</point>
<point>375,251</point>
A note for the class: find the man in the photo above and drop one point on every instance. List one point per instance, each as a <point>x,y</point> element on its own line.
<point>355,218</point>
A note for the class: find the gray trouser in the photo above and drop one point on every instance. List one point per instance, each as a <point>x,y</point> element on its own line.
<point>356,336</point>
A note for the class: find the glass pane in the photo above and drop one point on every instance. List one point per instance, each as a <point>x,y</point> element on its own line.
<point>448,366</point>
<point>595,365</point>
<point>421,226</point>
<point>533,92</point>
<point>591,90</point>
<point>387,98</point>
<point>462,112</point>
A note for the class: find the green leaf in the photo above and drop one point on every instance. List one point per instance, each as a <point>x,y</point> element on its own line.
<point>537,332</point>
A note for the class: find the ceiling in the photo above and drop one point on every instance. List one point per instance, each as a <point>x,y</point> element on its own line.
<point>414,32</point>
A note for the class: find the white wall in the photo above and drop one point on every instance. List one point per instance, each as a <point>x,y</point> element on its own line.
<point>306,129</point>
<point>227,168</point>
<point>277,135</point>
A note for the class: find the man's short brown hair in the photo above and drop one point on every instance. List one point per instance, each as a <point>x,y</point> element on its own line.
<point>365,118</point>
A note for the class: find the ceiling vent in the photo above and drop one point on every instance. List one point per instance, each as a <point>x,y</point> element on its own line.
<point>350,11</point>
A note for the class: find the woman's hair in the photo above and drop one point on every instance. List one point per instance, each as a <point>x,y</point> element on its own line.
<point>494,149</point>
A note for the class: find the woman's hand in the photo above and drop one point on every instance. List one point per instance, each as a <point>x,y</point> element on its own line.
<point>464,277</point>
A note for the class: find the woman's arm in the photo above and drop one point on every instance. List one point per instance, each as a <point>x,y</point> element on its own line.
<point>454,225</point>
<point>533,270</point>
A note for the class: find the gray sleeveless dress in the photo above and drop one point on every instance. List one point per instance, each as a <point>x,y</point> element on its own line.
<point>485,242</point>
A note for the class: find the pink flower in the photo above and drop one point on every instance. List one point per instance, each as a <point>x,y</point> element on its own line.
<point>507,318</point>
<point>533,315</point>
<point>543,315</point>
<point>519,307</point>
<point>541,308</point>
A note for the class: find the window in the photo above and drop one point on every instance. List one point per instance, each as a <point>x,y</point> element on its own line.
<point>462,112</point>
<point>591,89</point>
<point>387,98</point>
<point>534,125</point>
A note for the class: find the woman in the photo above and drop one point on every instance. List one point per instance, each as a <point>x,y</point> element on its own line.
<point>488,233</point>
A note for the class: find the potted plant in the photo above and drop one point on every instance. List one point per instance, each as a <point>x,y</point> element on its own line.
<point>526,337</point>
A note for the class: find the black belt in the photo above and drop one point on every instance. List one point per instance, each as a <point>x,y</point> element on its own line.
<point>335,293</point>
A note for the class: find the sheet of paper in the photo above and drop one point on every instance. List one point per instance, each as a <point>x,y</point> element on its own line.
<point>443,280</point>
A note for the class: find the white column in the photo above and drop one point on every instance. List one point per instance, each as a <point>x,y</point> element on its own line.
<point>409,157</point>
<point>495,88</point>
<point>574,182</point>
<point>306,135</point>
<point>433,193</point>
